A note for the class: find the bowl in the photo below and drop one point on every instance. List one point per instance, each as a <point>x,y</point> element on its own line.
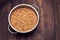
<point>9,16</point>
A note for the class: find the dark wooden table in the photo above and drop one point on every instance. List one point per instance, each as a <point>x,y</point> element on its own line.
<point>49,25</point>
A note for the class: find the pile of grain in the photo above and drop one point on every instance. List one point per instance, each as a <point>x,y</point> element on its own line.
<point>23,19</point>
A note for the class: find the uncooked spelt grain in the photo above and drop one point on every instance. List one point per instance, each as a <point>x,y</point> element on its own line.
<point>23,19</point>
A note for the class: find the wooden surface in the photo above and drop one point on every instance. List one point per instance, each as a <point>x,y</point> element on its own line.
<point>49,25</point>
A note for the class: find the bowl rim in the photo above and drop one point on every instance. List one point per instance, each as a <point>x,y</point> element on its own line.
<point>28,5</point>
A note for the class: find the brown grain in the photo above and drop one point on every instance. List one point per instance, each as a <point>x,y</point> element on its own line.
<point>23,19</point>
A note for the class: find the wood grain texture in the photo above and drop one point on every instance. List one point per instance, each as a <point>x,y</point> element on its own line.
<point>49,25</point>
<point>57,8</point>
